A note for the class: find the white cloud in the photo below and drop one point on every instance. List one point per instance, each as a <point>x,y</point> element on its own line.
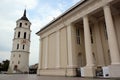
<point>4,55</point>
<point>41,14</point>
<point>47,13</point>
<point>11,10</point>
<point>39,21</point>
<point>20,3</point>
<point>30,4</point>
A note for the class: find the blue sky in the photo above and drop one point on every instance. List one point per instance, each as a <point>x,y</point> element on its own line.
<point>39,12</point>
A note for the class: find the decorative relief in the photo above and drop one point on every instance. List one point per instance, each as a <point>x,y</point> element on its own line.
<point>23,41</point>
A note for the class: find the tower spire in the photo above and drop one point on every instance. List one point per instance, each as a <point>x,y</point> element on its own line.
<point>24,16</point>
<point>24,13</point>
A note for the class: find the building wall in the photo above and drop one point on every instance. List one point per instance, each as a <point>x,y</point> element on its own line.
<point>63,48</point>
<point>52,50</point>
<point>76,57</point>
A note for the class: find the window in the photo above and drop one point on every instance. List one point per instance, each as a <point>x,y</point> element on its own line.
<point>26,24</point>
<point>23,46</point>
<point>18,62</point>
<point>29,26</point>
<point>13,55</point>
<point>18,34</point>
<point>17,46</point>
<point>15,35</point>
<point>24,35</point>
<point>19,55</point>
<point>78,35</point>
<point>29,36</point>
<point>109,58</point>
<point>91,35</point>
<point>94,58</point>
<point>80,59</point>
<point>15,67</point>
<point>105,32</point>
<point>20,25</point>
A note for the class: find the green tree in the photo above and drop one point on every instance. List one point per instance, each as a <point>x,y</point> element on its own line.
<point>5,65</point>
<point>0,67</point>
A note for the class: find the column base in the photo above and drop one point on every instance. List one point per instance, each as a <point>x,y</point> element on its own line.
<point>71,72</point>
<point>114,70</point>
<point>88,71</point>
<point>57,72</point>
<point>38,72</point>
<point>52,72</point>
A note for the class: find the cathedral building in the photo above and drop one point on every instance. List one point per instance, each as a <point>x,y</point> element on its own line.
<point>19,62</point>
<point>85,38</point>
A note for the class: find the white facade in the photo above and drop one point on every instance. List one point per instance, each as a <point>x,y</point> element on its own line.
<point>86,36</point>
<point>19,62</point>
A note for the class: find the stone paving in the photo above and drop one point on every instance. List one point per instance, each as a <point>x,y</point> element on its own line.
<point>35,77</point>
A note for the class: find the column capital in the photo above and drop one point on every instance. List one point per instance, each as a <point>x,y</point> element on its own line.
<point>69,25</point>
<point>85,16</point>
<point>105,3</point>
<point>40,39</point>
<point>57,31</point>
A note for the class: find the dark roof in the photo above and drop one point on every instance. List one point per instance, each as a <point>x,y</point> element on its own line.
<point>24,16</point>
<point>66,12</point>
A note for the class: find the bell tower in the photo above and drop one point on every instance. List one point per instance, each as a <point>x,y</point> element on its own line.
<point>19,62</point>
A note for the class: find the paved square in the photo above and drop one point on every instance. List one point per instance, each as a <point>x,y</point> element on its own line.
<point>35,77</point>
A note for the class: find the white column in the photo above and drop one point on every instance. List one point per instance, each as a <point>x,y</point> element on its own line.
<point>46,53</point>
<point>88,46</point>
<point>99,49</point>
<point>40,57</point>
<point>69,40</point>
<point>58,49</point>
<point>112,40</point>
